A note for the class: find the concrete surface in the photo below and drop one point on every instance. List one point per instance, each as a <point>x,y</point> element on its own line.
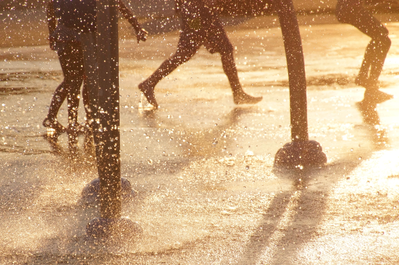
<point>203,168</point>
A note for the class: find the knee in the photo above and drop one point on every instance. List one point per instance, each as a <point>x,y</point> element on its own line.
<point>384,41</point>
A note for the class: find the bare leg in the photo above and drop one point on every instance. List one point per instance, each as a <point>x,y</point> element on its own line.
<point>183,54</point>
<point>71,65</point>
<point>373,61</point>
<point>90,74</point>
<point>73,82</point>
<point>372,66</point>
<point>363,76</point>
<point>218,41</point>
<point>229,68</point>
<point>376,50</point>
<point>73,71</point>
<point>381,49</point>
<point>56,101</point>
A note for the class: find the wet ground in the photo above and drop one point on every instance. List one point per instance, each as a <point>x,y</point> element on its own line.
<point>207,191</point>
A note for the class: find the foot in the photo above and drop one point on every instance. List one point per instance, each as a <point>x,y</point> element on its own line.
<point>376,96</point>
<point>149,94</point>
<point>244,98</point>
<point>54,124</point>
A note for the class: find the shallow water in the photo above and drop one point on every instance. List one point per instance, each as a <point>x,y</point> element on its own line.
<point>207,191</point>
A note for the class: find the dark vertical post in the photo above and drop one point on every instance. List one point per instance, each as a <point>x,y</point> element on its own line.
<point>296,70</point>
<point>106,127</point>
<point>107,134</point>
<point>301,152</point>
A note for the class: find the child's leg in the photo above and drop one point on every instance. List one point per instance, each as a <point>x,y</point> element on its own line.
<point>218,41</point>
<point>186,49</point>
<point>376,50</point>
<point>73,81</point>
<point>378,47</point>
<point>59,96</point>
<point>229,68</point>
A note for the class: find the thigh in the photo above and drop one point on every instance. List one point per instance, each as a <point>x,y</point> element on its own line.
<point>190,41</point>
<point>89,48</point>
<point>217,40</point>
<point>362,19</point>
<point>71,61</point>
<point>370,26</point>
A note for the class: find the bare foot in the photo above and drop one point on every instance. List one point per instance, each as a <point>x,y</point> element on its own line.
<point>54,124</point>
<point>376,96</point>
<point>149,94</point>
<point>244,98</point>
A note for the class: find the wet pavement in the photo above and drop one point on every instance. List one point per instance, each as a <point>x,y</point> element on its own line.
<point>202,167</point>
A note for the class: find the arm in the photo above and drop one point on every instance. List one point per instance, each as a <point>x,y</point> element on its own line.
<point>141,33</point>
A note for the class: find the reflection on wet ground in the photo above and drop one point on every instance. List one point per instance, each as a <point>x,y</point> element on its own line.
<point>207,191</point>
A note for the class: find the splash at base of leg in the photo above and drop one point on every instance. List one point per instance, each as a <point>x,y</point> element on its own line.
<point>121,228</point>
<point>300,154</point>
<point>91,192</point>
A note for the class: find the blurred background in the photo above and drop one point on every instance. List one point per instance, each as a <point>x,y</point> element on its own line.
<point>24,20</point>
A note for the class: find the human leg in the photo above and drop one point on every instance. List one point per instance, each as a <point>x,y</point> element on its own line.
<point>376,50</point>
<point>229,68</point>
<point>73,81</point>
<point>217,41</point>
<point>59,95</point>
<point>374,59</point>
<point>58,98</point>
<point>89,49</point>
<point>185,51</point>
<point>382,46</point>
<point>71,65</point>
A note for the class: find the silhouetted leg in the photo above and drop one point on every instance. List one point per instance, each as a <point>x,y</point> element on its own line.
<point>382,46</point>
<point>363,76</point>
<point>73,81</point>
<point>185,51</point>
<point>374,58</point>
<point>229,68</point>
<point>89,48</point>
<point>376,50</point>
<point>70,65</point>
<point>217,41</point>
<point>59,95</point>
<point>73,72</point>
<point>85,95</point>
<point>58,98</point>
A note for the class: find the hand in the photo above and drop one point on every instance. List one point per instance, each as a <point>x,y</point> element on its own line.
<point>141,35</point>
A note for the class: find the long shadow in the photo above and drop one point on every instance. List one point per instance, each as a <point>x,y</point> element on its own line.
<point>200,144</point>
<point>281,231</point>
<point>70,244</point>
